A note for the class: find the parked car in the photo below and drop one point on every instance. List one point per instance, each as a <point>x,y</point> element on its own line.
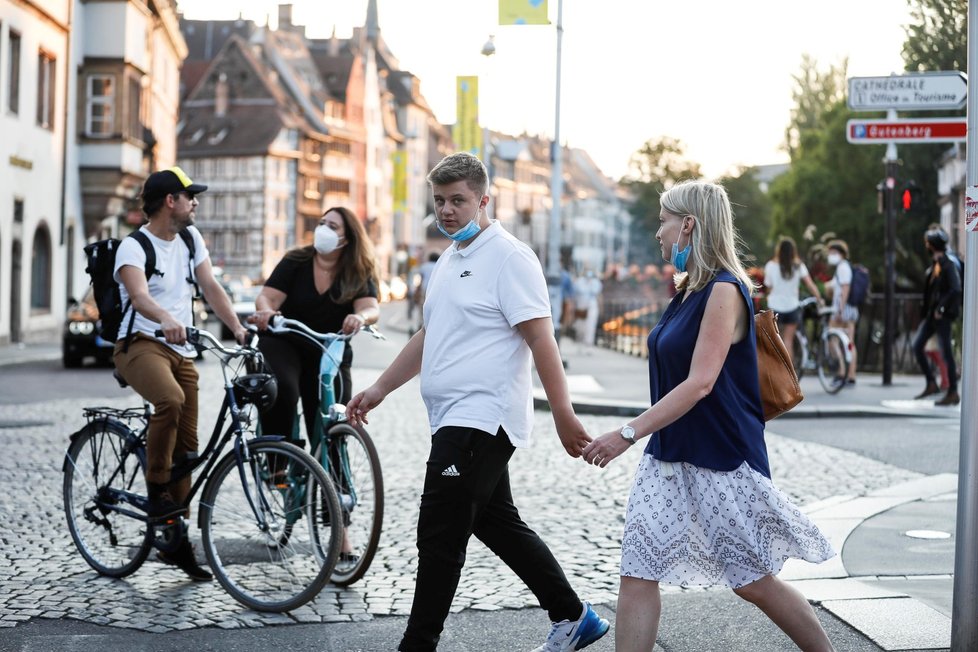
<point>243,302</point>
<point>80,337</point>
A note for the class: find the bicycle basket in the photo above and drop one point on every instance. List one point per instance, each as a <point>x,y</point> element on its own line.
<point>260,390</point>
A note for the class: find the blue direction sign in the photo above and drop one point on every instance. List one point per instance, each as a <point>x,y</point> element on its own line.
<point>911,92</point>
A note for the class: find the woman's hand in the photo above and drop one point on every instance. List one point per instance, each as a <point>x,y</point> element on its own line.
<point>261,318</point>
<point>605,448</point>
<point>353,323</point>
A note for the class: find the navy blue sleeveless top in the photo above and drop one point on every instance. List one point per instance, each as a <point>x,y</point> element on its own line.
<point>725,428</point>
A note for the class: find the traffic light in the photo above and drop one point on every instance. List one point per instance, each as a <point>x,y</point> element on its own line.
<point>911,198</point>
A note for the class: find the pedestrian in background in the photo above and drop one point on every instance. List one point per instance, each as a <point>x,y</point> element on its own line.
<point>782,275</point>
<point>844,315</point>
<point>941,306</point>
<point>487,313</point>
<point>587,291</point>
<point>703,509</point>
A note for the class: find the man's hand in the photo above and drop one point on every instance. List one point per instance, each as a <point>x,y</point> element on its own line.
<point>241,335</point>
<point>173,331</point>
<point>605,448</point>
<point>572,434</point>
<point>362,403</point>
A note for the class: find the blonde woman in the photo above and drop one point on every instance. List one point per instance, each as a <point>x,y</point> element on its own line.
<point>703,510</point>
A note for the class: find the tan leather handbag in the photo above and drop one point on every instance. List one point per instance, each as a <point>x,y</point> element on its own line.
<point>779,384</point>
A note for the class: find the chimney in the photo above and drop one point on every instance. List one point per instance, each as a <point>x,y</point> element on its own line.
<point>285,17</point>
<point>334,44</point>
<point>221,96</point>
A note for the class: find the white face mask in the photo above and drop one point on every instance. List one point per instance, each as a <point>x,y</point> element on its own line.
<point>325,239</point>
<point>834,258</point>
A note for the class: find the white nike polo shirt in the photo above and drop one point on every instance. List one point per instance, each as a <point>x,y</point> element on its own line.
<point>475,371</point>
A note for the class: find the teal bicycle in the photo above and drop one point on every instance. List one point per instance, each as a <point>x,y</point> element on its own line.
<point>347,454</point>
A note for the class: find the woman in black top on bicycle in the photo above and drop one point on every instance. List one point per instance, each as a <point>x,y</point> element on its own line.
<point>330,285</point>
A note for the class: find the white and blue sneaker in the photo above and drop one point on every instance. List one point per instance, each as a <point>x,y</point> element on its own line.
<point>575,634</point>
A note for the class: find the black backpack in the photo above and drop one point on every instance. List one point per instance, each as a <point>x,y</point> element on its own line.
<point>108,298</point>
<point>859,286</point>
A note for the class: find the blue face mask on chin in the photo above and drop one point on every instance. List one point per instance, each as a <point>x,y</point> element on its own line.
<point>467,232</point>
<point>679,258</point>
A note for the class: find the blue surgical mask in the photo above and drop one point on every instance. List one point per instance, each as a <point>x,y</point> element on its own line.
<point>679,258</point>
<point>467,232</point>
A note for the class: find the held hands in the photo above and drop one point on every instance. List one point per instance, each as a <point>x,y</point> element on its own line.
<point>261,318</point>
<point>605,448</point>
<point>362,403</point>
<point>572,434</point>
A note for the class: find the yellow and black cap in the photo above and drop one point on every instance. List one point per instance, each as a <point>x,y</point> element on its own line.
<point>169,181</point>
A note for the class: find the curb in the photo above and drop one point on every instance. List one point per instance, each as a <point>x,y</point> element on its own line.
<point>631,409</point>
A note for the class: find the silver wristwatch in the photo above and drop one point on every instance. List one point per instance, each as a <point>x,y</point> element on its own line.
<point>627,433</point>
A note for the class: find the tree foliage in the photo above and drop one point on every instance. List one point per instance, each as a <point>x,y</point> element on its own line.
<point>752,215</point>
<point>656,166</point>
<point>937,35</point>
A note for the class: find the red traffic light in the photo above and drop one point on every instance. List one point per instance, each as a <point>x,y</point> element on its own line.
<point>907,200</point>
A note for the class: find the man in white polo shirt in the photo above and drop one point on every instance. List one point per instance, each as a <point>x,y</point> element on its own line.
<point>486,312</point>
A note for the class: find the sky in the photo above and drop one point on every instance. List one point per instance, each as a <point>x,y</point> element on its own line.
<point>715,74</point>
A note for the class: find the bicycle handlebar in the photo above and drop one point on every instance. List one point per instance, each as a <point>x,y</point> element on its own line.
<point>200,339</point>
<point>807,301</point>
<point>280,324</point>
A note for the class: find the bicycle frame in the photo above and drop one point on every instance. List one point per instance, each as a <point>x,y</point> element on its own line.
<point>111,499</point>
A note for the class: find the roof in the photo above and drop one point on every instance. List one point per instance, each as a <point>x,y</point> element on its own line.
<point>247,130</point>
<point>205,38</point>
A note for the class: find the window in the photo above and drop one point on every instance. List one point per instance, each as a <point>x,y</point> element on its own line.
<point>100,108</point>
<point>45,90</point>
<point>41,271</point>
<point>18,211</point>
<point>135,110</point>
<point>13,93</point>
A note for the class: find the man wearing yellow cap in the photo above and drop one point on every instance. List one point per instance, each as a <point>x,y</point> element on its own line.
<point>161,369</point>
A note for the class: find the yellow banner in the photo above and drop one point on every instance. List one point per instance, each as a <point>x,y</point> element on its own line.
<point>466,132</point>
<point>523,12</point>
<point>399,184</point>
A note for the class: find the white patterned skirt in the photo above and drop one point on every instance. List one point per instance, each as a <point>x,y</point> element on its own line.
<point>690,526</point>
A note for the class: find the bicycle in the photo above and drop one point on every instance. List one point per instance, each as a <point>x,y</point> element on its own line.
<point>832,355</point>
<point>347,453</point>
<point>253,500</point>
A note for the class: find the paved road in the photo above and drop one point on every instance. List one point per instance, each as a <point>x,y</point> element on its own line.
<point>59,603</point>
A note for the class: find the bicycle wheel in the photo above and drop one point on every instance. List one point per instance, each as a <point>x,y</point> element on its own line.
<point>101,462</point>
<point>271,526</point>
<point>832,363</point>
<point>798,351</point>
<point>354,467</point>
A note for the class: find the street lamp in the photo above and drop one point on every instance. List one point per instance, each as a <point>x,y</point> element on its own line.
<point>488,49</point>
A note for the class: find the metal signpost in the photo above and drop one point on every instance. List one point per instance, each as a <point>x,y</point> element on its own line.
<point>912,91</point>
<point>964,624</point>
<point>939,91</point>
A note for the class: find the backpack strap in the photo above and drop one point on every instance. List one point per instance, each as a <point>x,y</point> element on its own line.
<point>188,239</point>
<point>149,269</point>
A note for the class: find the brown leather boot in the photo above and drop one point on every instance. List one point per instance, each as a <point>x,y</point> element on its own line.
<point>930,390</point>
<point>951,398</point>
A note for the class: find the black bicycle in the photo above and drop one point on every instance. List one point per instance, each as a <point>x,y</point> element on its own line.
<point>270,518</point>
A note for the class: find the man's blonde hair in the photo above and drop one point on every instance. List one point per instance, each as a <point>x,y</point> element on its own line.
<point>461,166</point>
<point>714,239</point>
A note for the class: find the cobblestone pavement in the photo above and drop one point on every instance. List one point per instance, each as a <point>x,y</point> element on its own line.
<point>577,509</point>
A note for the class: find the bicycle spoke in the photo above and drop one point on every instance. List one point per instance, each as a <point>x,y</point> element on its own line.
<point>260,537</point>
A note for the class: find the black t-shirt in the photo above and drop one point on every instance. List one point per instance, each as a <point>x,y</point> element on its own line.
<point>320,312</point>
